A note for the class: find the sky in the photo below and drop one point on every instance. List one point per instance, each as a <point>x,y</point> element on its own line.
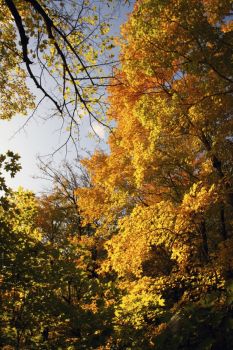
<point>41,138</point>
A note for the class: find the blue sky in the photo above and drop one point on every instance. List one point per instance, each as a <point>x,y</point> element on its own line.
<point>41,138</point>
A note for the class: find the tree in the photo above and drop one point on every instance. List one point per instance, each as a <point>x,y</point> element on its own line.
<point>162,198</point>
<point>61,47</point>
<point>49,296</point>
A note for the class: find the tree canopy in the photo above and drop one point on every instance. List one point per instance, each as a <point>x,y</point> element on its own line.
<point>131,249</point>
<point>64,51</point>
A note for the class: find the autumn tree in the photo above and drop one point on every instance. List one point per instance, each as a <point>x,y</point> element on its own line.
<point>63,50</point>
<point>49,296</point>
<point>162,198</point>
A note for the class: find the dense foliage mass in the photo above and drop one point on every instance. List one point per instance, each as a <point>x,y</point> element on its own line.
<point>134,250</point>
